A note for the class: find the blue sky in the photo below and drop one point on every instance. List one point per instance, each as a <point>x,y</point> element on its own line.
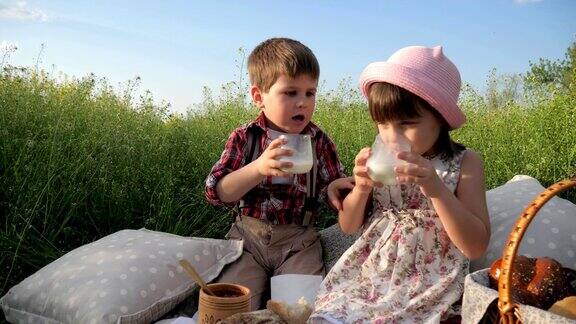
<point>177,47</point>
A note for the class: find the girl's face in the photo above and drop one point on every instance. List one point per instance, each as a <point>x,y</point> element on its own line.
<point>422,132</point>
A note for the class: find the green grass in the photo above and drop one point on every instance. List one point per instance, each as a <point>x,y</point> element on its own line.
<point>79,160</point>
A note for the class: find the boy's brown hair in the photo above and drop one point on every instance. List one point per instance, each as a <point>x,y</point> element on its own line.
<point>388,102</point>
<point>280,56</point>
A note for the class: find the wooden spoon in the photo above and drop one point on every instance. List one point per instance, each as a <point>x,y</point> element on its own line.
<point>192,272</point>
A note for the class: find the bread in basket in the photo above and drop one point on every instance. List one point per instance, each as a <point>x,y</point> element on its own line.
<point>479,302</point>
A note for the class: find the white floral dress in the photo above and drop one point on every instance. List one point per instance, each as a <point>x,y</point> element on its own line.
<point>403,268</point>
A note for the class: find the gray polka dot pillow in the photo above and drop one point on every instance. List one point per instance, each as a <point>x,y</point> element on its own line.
<point>334,244</point>
<point>132,276</point>
<point>551,233</point>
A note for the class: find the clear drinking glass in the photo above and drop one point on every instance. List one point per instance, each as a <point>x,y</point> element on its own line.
<point>383,159</point>
<point>301,146</point>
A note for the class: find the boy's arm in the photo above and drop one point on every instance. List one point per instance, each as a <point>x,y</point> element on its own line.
<point>338,190</point>
<point>236,184</point>
<point>329,166</point>
<point>231,160</point>
<point>229,180</point>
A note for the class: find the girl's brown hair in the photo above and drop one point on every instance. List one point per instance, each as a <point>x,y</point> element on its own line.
<point>388,102</point>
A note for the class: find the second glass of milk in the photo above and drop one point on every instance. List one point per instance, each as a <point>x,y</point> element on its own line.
<point>383,159</point>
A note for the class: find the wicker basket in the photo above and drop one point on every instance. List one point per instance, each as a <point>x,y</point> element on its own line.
<point>504,309</point>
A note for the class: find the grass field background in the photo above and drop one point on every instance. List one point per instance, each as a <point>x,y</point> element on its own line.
<point>80,159</point>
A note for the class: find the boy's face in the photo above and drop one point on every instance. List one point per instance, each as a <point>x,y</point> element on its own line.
<point>289,104</point>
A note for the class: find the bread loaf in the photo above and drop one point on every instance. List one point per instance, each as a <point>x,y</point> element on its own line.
<point>538,282</point>
<point>565,307</point>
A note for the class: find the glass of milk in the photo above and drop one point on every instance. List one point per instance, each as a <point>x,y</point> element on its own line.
<point>301,158</point>
<point>383,159</point>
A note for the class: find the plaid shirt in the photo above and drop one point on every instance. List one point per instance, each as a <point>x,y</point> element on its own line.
<point>276,203</point>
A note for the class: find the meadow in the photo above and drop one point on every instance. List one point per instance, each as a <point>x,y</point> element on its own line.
<point>80,159</point>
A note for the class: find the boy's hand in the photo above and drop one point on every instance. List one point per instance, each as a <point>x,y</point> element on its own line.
<point>268,163</point>
<point>338,190</point>
<point>363,182</point>
<point>419,171</point>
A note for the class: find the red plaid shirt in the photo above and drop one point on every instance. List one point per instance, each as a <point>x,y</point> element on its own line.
<point>276,203</point>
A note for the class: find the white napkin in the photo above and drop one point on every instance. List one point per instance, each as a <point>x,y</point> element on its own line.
<point>290,287</point>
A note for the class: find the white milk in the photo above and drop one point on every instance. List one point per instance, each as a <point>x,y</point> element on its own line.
<point>299,166</point>
<point>382,171</point>
<point>383,159</point>
<point>301,157</point>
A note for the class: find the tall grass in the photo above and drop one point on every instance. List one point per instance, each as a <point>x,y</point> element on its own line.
<point>79,160</point>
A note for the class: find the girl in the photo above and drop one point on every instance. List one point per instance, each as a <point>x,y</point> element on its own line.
<point>408,266</point>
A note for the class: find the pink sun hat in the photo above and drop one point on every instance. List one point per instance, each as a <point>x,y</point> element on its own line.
<point>425,72</point>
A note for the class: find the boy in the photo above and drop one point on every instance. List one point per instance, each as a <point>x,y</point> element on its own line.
<point>275,208</point>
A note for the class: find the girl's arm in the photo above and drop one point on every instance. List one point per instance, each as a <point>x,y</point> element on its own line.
<point>464,214</point>
<point>351,216</point>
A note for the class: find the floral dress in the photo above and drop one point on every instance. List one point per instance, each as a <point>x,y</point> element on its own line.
<point>403,268</point>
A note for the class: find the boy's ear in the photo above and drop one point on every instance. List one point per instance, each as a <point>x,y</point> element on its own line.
<point>256,95</point>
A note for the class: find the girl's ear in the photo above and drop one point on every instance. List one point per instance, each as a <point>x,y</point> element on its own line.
<point>256,95</point>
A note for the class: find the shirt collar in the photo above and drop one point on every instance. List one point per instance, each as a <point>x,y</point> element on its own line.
<point>260,122</point>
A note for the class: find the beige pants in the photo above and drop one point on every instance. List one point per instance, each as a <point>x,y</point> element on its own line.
<point>271,250</point>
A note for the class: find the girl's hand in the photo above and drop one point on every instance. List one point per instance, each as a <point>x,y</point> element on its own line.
<point>337,191</point>
<point>419,171</point>
<point>268,163</point>
<point>363,182</point>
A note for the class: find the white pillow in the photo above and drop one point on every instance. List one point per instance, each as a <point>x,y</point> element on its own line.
<point>131,276</point>
<point>334,244</point>
<point>551,233</point>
